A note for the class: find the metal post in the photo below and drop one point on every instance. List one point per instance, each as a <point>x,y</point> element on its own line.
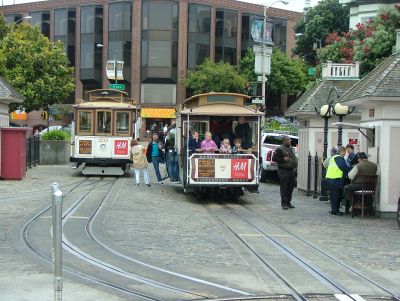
<point>316,174</point>
<point>340,131</point>
<point>115,72</point>
<point>309,174</point>
<point>263,59</point>
<point>57,197</point>
<point>324,188</point>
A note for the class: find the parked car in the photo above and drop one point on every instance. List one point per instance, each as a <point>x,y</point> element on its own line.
<point>270,142</point>
<point>51,128</point>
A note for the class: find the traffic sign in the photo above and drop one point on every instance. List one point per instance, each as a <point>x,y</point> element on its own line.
<point>117,86</point>
<point>53,111</point>
<point>257,100</point>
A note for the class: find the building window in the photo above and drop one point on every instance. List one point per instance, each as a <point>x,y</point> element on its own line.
<point>120,35</point>
<point>91,34</point>
<point>159,41</point>
<point>42,20</point>
<point>226,36</point>
<point>199,20</point>
<point>64,31</point>
<point>164,94</point>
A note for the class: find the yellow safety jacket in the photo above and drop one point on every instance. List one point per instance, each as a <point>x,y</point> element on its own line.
<point>334,172</point>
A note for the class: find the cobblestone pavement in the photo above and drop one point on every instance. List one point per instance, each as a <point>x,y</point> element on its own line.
<point>185,238</point>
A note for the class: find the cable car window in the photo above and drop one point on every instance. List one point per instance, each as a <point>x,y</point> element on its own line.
<point>254,133</point>
<point>85,121</point>
<point>200,126</point>
<point>122,122</point>
<point>104,122</point>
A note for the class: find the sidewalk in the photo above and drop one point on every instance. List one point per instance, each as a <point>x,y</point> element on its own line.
<point>370,245</point>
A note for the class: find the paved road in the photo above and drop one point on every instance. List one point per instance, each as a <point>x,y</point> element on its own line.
<point>161,224</point>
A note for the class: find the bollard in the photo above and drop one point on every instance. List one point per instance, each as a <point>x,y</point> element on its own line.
<point>316,167</point>
<point>57,198</point>
<point>309,174</point>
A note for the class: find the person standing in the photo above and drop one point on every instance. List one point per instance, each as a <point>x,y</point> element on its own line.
<point>172,155</point>
<point>243,131</point>
<point>351,155</point>
<point>194,142</point>
<point>362,168</point>
<point>286,158</point>
<point>208,145</point>
<point>336,175</point>
<point>155,155</point>
<point>139,162</point>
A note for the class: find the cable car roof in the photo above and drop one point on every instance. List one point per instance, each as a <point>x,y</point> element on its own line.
<point>220,109</point>
<point>104,105</point>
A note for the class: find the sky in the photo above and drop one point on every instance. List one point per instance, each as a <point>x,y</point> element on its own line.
<point>295,5</point>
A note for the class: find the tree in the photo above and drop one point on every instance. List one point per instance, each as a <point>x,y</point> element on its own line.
<point>368,44</point>
<point>216,77</point>
<point>287,75</point>
<point>37,68</point>
<point>326,17</point>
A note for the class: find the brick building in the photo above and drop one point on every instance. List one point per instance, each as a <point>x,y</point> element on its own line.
<point>158,40</point>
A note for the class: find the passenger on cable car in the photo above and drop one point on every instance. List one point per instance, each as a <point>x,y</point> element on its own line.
<point>194,142</point>
<point>225,147</point>
<point>237,148</point>
<point>208,145</point>
<point>243,131</point>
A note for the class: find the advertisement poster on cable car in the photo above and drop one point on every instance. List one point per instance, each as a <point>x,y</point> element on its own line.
<point>222,168</point>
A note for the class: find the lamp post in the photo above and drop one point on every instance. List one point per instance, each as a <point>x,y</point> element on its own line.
<point>264,77</point>
<point>325,112</point>
<point>115,61</point>
<point>341,111</point>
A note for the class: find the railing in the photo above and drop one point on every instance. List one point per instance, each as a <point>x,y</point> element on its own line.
<point>314,172</point>
<point>32,151</point>
<point>335,70</point>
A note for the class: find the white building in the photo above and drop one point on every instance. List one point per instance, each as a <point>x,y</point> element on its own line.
<point>362,11</point>
<point>335,78</point>
<point>378,97</point>
<point>7,95</point>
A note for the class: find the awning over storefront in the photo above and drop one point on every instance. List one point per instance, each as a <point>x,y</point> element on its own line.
<point>157,113</point>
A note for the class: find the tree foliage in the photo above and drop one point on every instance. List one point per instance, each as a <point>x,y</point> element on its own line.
<point>326,17</point>
<point>37,68</point>
<point>216,77</point>
<point>368,44</point>
<point>287,75</point>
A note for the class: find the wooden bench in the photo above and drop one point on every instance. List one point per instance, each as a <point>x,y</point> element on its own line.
<point>363,200</point>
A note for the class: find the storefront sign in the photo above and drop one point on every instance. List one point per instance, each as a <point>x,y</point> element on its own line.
<point>353,141</point>
<point>85,147</point>
<point>18,115</point>
<point>121,147</point>
<point>157,113</point>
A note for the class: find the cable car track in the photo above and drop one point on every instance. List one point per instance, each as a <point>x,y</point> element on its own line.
<point>337,289</point>
<point>77,252</point>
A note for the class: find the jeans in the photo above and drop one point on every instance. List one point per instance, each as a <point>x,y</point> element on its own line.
<point>156,164</point>
<point>173,166</point>
<point>145,175</point>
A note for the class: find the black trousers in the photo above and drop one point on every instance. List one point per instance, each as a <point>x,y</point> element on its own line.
<point>287,182</point>
<point>335,195</point>
<point>348,193</point>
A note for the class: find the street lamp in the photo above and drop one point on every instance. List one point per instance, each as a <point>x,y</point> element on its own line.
<point>326,112</point>
<point>264,79</point>
<point>341,111</point>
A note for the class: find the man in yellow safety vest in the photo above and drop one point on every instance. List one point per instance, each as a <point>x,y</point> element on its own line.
<point>335,176</point>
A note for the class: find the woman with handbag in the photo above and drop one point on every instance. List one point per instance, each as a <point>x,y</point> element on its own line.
<point>139,162</point>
